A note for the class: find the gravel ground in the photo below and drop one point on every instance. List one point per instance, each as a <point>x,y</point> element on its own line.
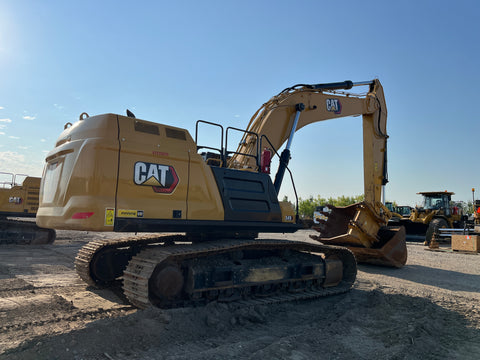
<point>430,309</point>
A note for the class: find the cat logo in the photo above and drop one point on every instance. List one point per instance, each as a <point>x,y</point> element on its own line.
<point>162,178</point>
<point>334,106</point>
<point>15,200</point>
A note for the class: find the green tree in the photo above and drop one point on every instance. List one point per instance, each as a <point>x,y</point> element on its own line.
<point>285,199</point>
<point>467,207</point>
<point>345,200</point>
<point>307,207</point>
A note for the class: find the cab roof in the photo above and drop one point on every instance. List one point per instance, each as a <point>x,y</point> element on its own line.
<point>433,193</point>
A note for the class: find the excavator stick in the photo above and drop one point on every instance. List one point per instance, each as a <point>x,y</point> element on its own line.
<point>358,228</point>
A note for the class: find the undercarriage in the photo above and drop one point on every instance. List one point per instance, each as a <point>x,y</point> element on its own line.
<point>23,232</point>
<point>169,271</point>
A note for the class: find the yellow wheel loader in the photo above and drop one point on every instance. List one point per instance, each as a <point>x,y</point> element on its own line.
<point>437,212</point>
<point>19,200</point>
<point>119,173</point>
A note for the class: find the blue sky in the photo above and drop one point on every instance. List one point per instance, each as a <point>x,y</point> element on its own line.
<point>178,61</point>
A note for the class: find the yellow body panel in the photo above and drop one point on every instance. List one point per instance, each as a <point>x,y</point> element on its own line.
<point>194,177</point>
<point>203,197</point>
<point>89,175</point>
<point>81,190</point>
<point>20,199</point>
<point>80,176</point>
<point>288,212</point>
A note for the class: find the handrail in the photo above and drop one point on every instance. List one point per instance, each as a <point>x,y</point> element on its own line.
<point>256,156</point>
<point>221,150</point>
<point>13,181</point>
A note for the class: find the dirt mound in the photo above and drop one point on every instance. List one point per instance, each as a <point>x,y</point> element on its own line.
<point>362,325</point>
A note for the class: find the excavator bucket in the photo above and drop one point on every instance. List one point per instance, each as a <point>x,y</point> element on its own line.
<point>361,230</point>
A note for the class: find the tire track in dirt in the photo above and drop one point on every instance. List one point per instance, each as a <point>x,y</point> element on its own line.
<point>40,293</point>
<point>30,311</point>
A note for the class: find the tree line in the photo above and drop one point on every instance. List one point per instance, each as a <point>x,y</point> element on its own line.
<point>306,207</point>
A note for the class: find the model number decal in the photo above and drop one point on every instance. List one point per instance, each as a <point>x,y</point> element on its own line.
<point>130,213</point>
<point>334,105</point>
<point>162,178</point>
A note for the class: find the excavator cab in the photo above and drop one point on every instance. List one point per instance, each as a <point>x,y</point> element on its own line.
<point>437,201</point>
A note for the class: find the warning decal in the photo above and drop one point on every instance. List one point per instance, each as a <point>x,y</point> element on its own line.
<point>109,216</point>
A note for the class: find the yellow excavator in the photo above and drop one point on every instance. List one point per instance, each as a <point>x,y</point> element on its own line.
<point>119,173</point>
<point>18,202</point>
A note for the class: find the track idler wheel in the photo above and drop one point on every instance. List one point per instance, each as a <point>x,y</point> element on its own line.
<point>44,237</point>
<point>333,272</point>
<point>166,283</point>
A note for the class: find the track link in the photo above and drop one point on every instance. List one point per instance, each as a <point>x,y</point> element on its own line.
<point>87,255</point>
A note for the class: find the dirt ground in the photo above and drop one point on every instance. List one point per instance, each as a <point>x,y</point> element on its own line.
<point>430,309</point>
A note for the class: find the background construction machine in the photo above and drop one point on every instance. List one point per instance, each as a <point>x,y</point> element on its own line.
<point>476,213</point>
<point>19,200</point>
<point>399,211</point>
<point>119,173</point>
<point>437,212</point>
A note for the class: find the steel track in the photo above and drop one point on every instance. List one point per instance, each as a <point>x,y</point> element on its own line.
<point>20,232</point>
<point>87,253</point>
<point>153,253</point>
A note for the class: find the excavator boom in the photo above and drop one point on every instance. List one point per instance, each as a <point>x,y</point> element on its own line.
<point>361,226</point>
<point>301,105</point>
